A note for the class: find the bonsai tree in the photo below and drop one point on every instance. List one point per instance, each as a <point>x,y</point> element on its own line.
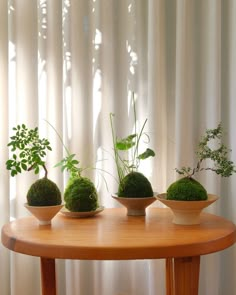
<point>28,153</point>
<point>131,183</point>
<point>216,160</point>
<point>80,194</point>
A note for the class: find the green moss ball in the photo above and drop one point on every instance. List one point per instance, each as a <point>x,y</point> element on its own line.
<point>44,192</point>
<point>80,195</point>
<point>186,189</point>
<point>135,185</point>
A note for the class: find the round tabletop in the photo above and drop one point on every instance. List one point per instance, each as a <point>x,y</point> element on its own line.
<point>112,235</point>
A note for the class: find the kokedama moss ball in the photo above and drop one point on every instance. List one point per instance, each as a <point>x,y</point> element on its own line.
<point>135,185</point>
<point>44,192</point>
<point>80,195</point>
<point>186,189</point>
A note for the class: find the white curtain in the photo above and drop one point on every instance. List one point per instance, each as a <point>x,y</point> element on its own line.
<point>72,62</point>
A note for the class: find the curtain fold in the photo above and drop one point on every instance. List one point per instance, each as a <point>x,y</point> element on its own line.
<point>70,64</point>
<point>4,178</point>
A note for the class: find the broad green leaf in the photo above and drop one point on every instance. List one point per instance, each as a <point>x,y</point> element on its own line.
<point>148,153</point>
<point>126,143</point>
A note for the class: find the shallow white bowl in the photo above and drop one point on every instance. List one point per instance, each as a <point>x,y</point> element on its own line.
<point>44,214</point>
<point>187,212</point>
<point>135,206</point>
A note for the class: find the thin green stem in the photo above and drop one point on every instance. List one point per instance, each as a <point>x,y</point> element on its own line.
<point>135,151</point>
<point>138,139</point>
<point>119,170</point>
<point>60,138</point>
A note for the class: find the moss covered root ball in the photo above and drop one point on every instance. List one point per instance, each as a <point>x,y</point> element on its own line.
<point>80,195</point>
<point>44,192</point>
<point>135,185</point>
<point>186,189</point>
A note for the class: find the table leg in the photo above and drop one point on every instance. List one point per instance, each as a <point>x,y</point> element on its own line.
<point>182,275</point>
<point>169,276</point>
<point>48,276</point>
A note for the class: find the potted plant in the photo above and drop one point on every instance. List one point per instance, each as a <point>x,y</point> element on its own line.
<point>187,195</point>
<point>80,195</point>
<point>134,189</point>
<point>28,153</point>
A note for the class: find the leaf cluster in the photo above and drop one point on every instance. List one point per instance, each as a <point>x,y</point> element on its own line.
<point>129,143</point>
<point>70,164</point>
<point>28,151</point>
<point>221,165</point>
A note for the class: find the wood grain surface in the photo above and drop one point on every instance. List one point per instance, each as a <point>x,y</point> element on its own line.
<point>111,235</point>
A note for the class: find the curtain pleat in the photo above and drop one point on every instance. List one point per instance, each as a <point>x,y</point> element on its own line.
<point>4,177</point>
<point>23,78</point>
<point>157,96</point>
<point>70,64</point>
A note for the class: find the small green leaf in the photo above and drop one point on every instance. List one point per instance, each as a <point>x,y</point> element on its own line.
<point>13,173</point>
<point>24,167</point>
<point>18,169</point>
<point>22,154</point>
<point>36,170</point>
<point>9,162</point>
<point>63,168</point>
<point>59,163</point>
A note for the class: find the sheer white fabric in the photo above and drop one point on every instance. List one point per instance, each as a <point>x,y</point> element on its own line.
<point>72,63</point>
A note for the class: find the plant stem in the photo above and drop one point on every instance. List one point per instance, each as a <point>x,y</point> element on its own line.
<point>135,131</point>
<point>119,170</point>
<point>46,171</point>
<point>60,138</point>
<point>138,139</point>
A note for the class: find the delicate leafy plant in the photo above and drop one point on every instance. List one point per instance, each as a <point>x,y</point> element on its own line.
<point>68,163</point>
<point>219,156</point>
<point>129,143</point>
<point>28,150</point>
<point>80,194</point>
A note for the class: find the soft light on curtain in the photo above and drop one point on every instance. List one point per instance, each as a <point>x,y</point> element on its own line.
<point>72,62</point>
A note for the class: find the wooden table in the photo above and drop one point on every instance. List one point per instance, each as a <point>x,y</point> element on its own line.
<point>111,235</point>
